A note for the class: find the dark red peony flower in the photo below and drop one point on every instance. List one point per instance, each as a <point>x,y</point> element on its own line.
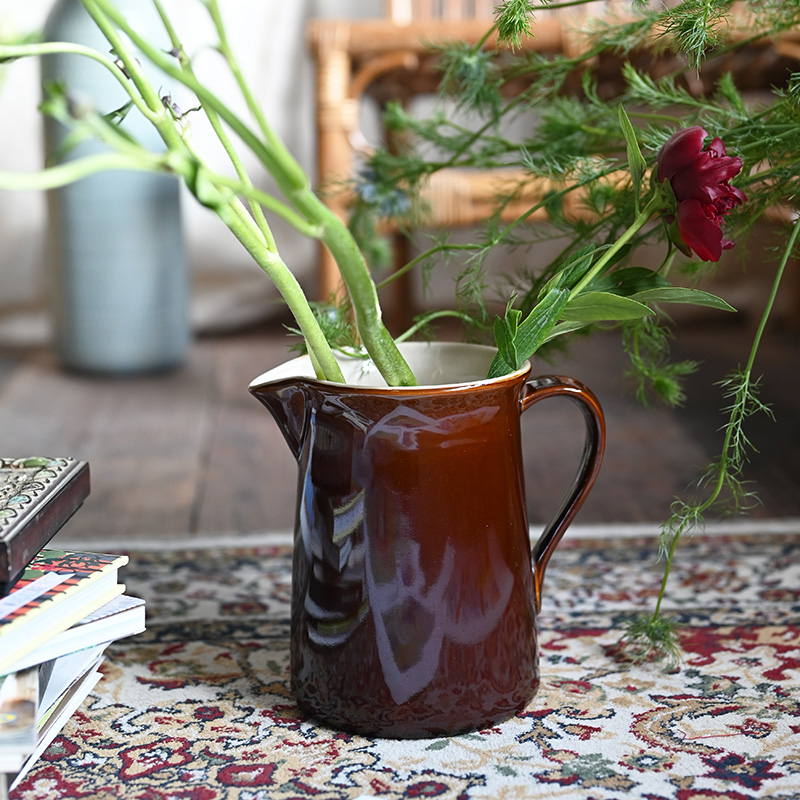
<point>700,182</point>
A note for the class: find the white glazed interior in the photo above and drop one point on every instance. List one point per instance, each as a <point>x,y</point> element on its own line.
<point>434,364</point>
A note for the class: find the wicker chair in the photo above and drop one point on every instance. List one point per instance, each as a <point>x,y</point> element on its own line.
<point>389,59</point>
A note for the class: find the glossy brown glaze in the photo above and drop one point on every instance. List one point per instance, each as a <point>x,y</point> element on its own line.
<point>414,591</point>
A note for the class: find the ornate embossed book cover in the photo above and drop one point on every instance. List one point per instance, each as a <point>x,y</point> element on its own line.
<point>37,496</point>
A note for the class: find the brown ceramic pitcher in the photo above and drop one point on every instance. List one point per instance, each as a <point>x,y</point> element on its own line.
<point>414,595</point>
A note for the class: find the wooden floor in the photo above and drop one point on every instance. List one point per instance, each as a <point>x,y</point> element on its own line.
<point>192,454</point>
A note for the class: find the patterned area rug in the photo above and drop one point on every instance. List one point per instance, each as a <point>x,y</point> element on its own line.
<point>199,706</point>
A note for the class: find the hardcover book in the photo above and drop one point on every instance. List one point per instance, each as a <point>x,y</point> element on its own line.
<point>56,591</point>
<point>37,496</point>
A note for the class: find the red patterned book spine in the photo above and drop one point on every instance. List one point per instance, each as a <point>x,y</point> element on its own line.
<point>78,569</point>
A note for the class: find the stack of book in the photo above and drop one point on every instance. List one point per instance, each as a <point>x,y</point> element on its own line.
<point>59,610</point>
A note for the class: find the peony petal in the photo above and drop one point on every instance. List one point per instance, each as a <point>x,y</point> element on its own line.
<point>679,151</point>
<point>717,146</point>
<point>686,186</point>
<point>729,197</point>
<point>702,234</point>
<point>739,195</point>
<point>706,178</point>
<point>716,169</point>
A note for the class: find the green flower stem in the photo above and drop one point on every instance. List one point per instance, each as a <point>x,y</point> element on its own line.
<point>229,210</point>
<point>294,172</point>
<point>762,176</point>
<point>158,115</point>
<point>294,184</point>
<point>652,117</point>
<point>546,6</point>
<point>497,238</point>
<point>216,125</point>
<point>71,171</point>
<point>354,270</point>
<point>445,313</point>
<point>227,53</point>
<point>309,229</point>
<point>322,357</point>
<point>12,52</point>
<point>732,425</point>
<point>363,294</point>
<point>273,154</point>
<point>414,262</point>
<point>642,218</point>
<point>698,511</point>
<point>60,177</point>
<point>773,296</point>
<point>233,65</point>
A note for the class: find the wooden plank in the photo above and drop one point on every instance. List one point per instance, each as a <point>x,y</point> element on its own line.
<point>143,438</point>
<point>7,366</point>
<point>193,454</point>
<point>249,477</point>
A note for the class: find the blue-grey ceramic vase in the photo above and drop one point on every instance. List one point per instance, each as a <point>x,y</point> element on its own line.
<point>117,269</point>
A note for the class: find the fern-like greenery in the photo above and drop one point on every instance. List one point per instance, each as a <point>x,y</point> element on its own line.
<point>549,116</point>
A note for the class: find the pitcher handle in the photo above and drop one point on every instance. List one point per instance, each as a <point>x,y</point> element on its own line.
<point>534,390</point>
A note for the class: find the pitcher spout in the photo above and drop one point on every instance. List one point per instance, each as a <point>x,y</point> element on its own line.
<point>286,401</point>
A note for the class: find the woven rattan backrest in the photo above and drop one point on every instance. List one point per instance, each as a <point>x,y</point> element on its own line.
<point>404,11</point>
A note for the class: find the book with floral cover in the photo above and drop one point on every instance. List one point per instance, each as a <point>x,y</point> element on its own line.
<point>55,592</point>
<point>37,496</point>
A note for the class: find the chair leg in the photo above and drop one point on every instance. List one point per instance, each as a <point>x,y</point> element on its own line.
<point>397,299</point>
<point>336,118</point>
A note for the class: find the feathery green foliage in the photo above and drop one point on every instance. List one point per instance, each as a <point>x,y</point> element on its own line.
<point>560,124</point>
<point>514,21</point>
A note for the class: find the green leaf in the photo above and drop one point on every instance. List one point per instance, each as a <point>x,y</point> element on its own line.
<point>678,294</point>
<point>629,281</point>
<point>636,163</point>
<point>564,328</point>
<point>574,270</point>
<point>603,306</point>
<point>534,329</point>
<point>505,332</point>
<point>532,332</point>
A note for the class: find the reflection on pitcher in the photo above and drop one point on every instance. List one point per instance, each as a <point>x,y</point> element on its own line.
<point>330,514</point>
